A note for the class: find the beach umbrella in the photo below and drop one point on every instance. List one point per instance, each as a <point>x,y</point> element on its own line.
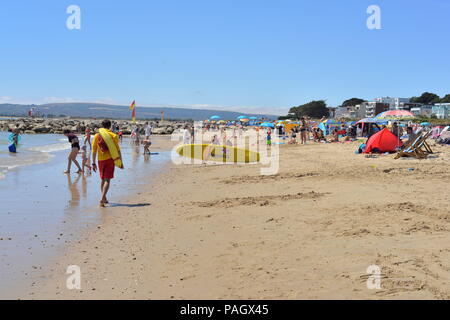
<point>425,124</point>
<point>267,125</point>
<point>368,120</point>
<point>215,117</point>
<point>244,120</point>
<point>253,118</point>
<point>284,121</point>
<point>242,117</point>
<point>396,114</point>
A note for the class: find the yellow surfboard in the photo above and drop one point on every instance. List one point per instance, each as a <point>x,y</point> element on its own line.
<point>211,152</point>
<point>113,151</point>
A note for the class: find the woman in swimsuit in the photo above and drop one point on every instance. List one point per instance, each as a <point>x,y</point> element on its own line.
<point>73,140</point>
<point>303,129</point>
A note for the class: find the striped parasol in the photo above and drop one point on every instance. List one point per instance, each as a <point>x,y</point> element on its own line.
<point>395,114</point>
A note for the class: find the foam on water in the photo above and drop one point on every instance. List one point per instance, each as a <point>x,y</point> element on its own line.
<point>51,147</point>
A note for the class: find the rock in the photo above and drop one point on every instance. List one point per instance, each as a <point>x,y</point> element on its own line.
<point>169,130</point>
<point>42,129</point>
<point>57,125</point>
<point>159,130</point>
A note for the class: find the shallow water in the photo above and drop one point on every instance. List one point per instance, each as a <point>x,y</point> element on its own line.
<point>42,209</point>
<point>32,149</point>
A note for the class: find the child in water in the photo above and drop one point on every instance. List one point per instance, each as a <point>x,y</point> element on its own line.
<point>15,141</point>
<point>85,159</point>
<point>147,144</point>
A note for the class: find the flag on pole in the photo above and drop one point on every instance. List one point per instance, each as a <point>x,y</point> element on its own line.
<point>133,111</point>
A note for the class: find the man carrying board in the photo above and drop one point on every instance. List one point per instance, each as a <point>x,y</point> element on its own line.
<point>106,145</point>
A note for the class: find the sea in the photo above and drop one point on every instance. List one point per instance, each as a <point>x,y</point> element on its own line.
<point>42,210</point>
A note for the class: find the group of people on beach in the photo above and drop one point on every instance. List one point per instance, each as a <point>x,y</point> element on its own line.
<point>307,130</point>
<point>136,137</point>
<point>104,147</point>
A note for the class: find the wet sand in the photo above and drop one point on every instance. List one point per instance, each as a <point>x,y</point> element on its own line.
<point>44,211</point>
<point>309,232</point>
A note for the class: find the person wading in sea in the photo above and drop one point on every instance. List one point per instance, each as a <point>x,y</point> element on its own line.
<point>75,148</point>
<point>106,145</point>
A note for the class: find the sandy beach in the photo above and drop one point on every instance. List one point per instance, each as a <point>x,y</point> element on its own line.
<point>214,156</point>
<point>309,232</point>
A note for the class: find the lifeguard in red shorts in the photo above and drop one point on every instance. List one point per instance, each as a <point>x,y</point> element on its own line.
<point>106,145</point>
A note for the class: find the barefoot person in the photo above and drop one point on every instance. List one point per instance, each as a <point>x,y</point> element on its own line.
<point>106,145</point>
<point>87,138</point>
<point>303,130</point>
<point>75,144</point>
<point>86,158</point>
<point>146,144</point>
<point>148,131</point>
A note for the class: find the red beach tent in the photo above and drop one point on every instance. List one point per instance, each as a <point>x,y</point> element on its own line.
<point>383,141</point>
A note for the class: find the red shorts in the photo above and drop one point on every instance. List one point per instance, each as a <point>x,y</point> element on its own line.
<point>106,169</point>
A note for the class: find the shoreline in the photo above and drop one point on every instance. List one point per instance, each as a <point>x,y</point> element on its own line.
<point>309,232</point>
<point>26,257</point>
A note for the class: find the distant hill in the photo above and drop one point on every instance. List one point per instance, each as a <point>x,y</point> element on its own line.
<point>96,110</point>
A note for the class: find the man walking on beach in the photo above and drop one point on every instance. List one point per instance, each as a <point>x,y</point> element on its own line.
<point>106,145</point>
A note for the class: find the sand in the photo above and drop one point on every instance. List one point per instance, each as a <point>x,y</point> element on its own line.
<point>309,232</point>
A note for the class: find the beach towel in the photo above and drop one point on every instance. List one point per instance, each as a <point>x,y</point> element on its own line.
<point>436,132</point>
<point>111,146</point>
<point>444,138</point>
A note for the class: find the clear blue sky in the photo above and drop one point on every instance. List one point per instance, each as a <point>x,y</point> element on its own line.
<point>229,54</point>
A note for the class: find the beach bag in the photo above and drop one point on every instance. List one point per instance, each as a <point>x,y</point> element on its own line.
<point>362,148</point>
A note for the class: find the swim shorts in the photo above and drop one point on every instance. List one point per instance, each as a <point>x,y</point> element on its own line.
<point>106,169</point>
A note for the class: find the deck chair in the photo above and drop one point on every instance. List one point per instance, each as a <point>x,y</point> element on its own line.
<point>419,148</point>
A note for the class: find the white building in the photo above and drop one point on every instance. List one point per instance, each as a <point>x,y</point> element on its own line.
<point>424,110</point>
<point>394,103</point>
<point>442,110</point>
<point>342,112</point>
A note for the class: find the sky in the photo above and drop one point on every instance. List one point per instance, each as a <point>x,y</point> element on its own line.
<point>246,55</point>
